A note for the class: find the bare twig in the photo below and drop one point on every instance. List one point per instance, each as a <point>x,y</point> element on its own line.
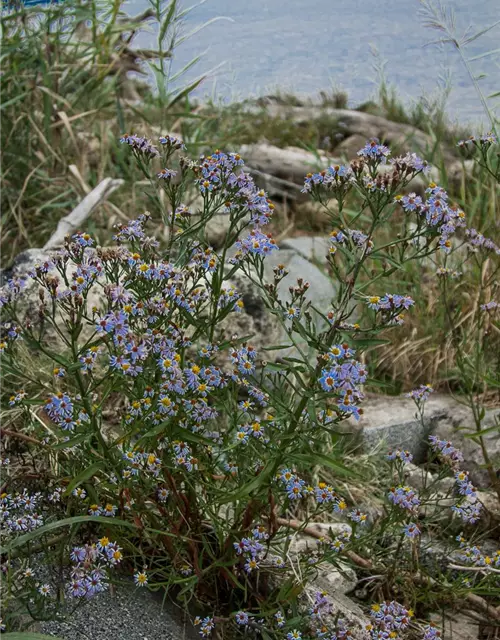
<point>21,436</point>
<point>308,531</point>
<point>486,569</point>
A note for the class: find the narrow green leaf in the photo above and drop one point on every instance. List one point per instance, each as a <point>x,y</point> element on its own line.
<point>184,434</point>
<point>66,522</point>
<point>167,20</point>
<point>185,92</point>
<point>71,443</point>
<point>84,475</point>
<point>313,459</point>
<point>483,432</point>
<point>26,635</point>
<point>14,100</point>
<point>250,487</point>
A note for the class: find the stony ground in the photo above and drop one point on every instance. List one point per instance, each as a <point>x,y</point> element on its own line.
<point>130,614</point>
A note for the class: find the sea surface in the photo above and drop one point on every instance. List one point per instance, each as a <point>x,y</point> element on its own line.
<point>308,46</point>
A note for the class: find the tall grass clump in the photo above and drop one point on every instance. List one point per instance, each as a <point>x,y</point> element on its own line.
<point>69,85</point>
<point>151,439</point>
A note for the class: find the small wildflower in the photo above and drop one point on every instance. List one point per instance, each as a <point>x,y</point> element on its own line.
<point>141,579</point>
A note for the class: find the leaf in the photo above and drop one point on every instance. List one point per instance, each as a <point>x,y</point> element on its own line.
<point>276,347</point>
<point>483,432</point>
<point>480,33</point>
<point>189,436</point>
<point>370,342</point>
<point>71,443</point>
<point>12,101</point>
<point>185,92</point>
<point>312,459</point>
<point>167,20</point>
<point>84,475</point>
<point>27,635</point>
<point>66,522</point>
<point>248,488</point>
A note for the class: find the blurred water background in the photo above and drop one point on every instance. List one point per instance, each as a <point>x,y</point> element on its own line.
<point>310,46</point>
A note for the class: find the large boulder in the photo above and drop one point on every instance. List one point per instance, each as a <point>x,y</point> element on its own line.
<point>257,321</point>
<point>313,248</point>
<point>393,423</point>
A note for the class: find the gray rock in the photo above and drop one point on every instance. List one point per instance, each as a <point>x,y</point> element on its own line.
<point>291,163</point>
<point>342,607</point>
<point>400,137</point>
<point>418,477</point>
<point>457,425</point>
<point>23,263</point>
<point>321,290</point>
<point>392,423</point>
<point>349,147</point>
<point>258,322</point>
<point>456,626</point>
<point>301,542</point>
<point>312,248</point>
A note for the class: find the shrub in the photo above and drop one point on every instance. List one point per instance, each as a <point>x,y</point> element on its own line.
<point>160,441</point>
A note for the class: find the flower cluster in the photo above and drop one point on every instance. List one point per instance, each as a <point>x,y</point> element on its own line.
<point>431,632</point>
<point>388,620</point>
<point>91,564</point>
<point>490,306</point>
<point>421,394</point>
<point>473,555</point>
<point>410,163</point>
<point>256,243</point>
<point>62,411</point>
<point>446,451</point>
<point>252,549</point>
<point>344,375</point>
<point>436,212</point>
<point>477,239</point>
<point>172,142</point>
<point>443,272</point>
<point>19,513</point>
<point>403,456</point>
<point>359,240</point>
<point>140,145</point>
<point>391,306</point>
<point>404,497</point>
<point>207,625</point>
<point>485,140</point>
<point>374,152</point>
<point>335,177</point>
<point>469,508</point>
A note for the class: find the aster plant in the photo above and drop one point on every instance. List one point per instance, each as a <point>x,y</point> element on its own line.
<point>174,451</point>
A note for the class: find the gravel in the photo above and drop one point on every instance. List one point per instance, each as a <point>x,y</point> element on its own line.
<point>130,614</point>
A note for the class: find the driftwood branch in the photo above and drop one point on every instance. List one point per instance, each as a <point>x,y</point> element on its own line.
<point>72,222</point>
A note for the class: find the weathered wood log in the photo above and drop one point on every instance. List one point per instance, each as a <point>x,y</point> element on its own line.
<point>351,122</point>
<point>289,165</point>
<point>73,221</point>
